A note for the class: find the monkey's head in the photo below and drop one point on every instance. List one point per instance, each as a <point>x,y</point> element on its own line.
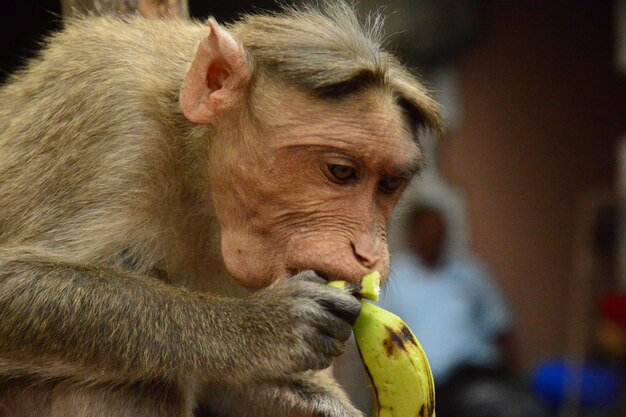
<point>313,142</point>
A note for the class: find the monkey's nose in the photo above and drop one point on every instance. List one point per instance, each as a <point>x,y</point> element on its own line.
<point>367,251</point>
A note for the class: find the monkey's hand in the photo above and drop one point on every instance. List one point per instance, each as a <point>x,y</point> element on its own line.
<point>160,331</point>
<point>299,324</point>
<point>307,394</point>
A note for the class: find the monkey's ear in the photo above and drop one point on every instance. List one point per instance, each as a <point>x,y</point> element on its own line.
<point>217,78</point>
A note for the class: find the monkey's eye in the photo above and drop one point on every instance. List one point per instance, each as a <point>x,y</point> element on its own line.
<point>388,185</point>
<point>342,173</point>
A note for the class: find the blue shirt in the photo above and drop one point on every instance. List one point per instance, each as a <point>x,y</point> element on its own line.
<point>455,310</point>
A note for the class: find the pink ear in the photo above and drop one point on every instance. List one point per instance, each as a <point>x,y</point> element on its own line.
<point>217,78</point>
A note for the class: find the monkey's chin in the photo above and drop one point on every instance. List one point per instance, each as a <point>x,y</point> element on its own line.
<point>261,277</point>
<point>249,276</point>
<point>251,283</point>
<point>254,276</point>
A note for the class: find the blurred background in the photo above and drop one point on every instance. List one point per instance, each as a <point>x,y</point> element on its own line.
<point>531,173</point>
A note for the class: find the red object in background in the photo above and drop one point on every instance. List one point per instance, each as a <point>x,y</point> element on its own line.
<point>613,307</point>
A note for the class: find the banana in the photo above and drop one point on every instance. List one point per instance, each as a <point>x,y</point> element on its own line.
<point>368,287</point>
<point>401,381</point>
<point>400,376</point>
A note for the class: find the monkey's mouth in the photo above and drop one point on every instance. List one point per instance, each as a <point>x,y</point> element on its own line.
<point>328,276</point>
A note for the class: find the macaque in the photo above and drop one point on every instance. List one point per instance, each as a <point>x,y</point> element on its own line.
<point>174,197</point>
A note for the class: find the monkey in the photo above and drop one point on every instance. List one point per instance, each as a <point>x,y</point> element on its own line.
<point>174,197</point>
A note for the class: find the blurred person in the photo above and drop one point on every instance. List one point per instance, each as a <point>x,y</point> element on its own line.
<point>461,319</point>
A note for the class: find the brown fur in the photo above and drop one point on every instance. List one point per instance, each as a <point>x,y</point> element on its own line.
<point>114,296</point>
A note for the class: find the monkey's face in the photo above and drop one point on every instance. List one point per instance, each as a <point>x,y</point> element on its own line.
<point>317,188</point>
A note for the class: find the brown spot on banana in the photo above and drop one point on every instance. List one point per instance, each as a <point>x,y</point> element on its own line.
<point>397,339</point>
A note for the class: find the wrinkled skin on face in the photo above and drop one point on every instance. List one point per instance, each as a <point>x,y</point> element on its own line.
<point>316,188</point>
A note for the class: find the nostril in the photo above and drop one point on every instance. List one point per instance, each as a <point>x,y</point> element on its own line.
<point>365,258</point>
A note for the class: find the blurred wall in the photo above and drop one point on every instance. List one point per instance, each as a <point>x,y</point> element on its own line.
<point>543,108</point>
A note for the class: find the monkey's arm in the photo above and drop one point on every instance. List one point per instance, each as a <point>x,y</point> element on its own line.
<point>305,394</point>
<point>140,328</point>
